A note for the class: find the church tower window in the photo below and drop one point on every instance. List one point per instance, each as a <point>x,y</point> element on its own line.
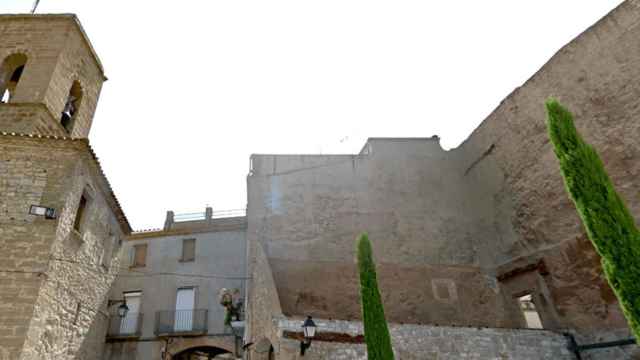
<point>71,106</point>
<point>10,74</point>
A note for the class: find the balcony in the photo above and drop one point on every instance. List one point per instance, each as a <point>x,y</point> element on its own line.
<point>127,327</point>
<point>181,322</point>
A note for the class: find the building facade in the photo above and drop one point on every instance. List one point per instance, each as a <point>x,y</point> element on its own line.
<point>172,280</point>
<point>480,253</point>
<point>60,224</point>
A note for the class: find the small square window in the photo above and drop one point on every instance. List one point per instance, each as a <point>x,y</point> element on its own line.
<point>188,250</point>
<point>139,255</point>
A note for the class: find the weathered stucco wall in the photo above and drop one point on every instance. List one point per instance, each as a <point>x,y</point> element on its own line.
<point>416,342</point>
<point>220,262</point>
<point>54,280</point>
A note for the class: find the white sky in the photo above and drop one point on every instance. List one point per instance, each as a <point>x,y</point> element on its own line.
<point>195,87</point>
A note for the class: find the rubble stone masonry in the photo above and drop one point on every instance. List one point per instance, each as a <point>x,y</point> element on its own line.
<point>54,279</point>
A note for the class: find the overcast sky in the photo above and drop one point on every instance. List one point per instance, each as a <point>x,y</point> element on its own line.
<point>195,87</point>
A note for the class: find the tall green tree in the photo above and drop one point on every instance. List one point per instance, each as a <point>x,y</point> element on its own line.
<point>376,333</point>
<point>608,222</point>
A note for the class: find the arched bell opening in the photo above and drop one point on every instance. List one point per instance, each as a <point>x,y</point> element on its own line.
<point>11,72</point>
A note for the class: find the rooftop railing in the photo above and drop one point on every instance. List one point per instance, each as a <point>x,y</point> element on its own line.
<point>217,214</point>
<point>189,217</point>
<point>228,213</point>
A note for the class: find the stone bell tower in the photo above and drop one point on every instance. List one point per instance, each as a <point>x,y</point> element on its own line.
<point>50,76</point>
<point>60,222</point>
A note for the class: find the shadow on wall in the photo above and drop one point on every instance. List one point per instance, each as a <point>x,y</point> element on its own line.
<point>92,346</point>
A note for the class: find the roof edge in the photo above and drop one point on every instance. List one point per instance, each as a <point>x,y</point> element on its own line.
<point>112,200</point>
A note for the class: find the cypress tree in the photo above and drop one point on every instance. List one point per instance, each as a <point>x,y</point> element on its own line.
<point>609,224</point>
<point>376,333</point>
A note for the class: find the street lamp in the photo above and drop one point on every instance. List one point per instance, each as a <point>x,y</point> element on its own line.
<point>309,330</point>
<point>48,213</point>
<point>122,309</point>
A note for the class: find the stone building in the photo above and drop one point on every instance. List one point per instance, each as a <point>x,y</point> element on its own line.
<point>171,280</point>
<point>481,236</point>
<point>480,253</point>
<point>59,257</point>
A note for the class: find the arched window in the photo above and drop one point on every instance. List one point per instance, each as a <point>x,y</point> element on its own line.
<point>71,106</point>
<point>10,73</point>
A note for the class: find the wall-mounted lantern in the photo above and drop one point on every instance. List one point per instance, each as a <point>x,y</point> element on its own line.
<point>122,309</point>
<point>309,330</point>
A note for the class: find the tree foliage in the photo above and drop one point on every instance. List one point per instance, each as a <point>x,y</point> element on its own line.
<point>376,332</point>
<point>609,224</point>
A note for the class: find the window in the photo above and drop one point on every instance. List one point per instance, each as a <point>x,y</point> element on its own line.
<point>10,74</point>
<point>139,255</point>
<point>188,250</point>
<point>71,106</point>
<point>80,214</point>
<point>185,303</point>
<point>528,308</point>
<point>130,324</point>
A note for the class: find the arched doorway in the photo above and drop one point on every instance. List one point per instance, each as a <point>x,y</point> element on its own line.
<point>203,353</point>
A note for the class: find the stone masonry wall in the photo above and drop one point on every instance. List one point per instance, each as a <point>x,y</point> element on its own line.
<point>26,177</point>
<point>58,53</point>
<point>58,312</point>
<point>424,217</point>
<point>26,118</point>
<point>414,342</point>
<point>263,308</point>
<point>497,202</point>
<point>596,77</point>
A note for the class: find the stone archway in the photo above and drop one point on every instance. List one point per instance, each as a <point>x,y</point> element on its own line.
<point>216,345</point>
<point>201,353</point>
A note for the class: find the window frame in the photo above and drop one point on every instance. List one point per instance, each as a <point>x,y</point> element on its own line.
<point>133,257</point>
<point>182,254</point>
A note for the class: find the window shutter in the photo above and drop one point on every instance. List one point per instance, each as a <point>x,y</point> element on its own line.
<point>140,256</point>
<point>188,249</point>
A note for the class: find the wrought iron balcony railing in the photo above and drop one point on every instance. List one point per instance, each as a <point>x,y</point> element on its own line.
<point>128,326</point>
<point>182,322</point>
